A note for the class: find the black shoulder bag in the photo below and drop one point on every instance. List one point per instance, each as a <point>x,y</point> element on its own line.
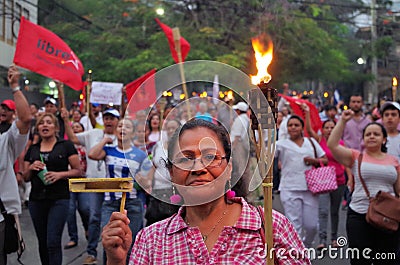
<point>13,242</point>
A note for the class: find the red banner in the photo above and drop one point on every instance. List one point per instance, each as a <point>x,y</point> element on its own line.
<point>43,52</point>
<point>314,115</point>
<point>185,46</point>
<point>141,92</point>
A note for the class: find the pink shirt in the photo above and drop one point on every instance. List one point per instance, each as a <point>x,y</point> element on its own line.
<point>171,241</point>
<point>340,178</point>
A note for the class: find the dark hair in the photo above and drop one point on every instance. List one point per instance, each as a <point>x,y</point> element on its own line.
<point>384,132</point>
<point>151,117</point>
<point>297,118</point>
<point>34,104</point>
<point>331,107</point>
<point>220,131</point>
<point>390,107</point>
<point>329,120</point>
<point>80,124</point>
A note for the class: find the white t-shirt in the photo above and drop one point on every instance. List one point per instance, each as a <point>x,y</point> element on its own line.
<point>293,167</point>
<point>95,169</point>
<point>240,127</point>
<point>283,132</point>
<point>88,125</point>
<point>12,143</point>
<point>162,178</point>
<point>393,146</point>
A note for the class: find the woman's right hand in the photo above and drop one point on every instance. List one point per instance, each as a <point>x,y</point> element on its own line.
<point>37,165</point>
<point>305,107</point>
<point>64,114</point>
<point>117,238</point>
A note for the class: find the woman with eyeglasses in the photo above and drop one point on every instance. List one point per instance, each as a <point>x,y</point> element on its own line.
<point>211,227</point>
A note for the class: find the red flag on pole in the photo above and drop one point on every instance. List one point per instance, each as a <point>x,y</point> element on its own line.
<point>314,115</point>
<point>141,92</point>
<point>43,52</point>
<point>185,46</point>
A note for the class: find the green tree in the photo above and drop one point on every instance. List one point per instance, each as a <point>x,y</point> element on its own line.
<point>120,40</point>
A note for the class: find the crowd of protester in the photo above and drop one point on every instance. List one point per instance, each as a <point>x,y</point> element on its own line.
<point>55,143</point>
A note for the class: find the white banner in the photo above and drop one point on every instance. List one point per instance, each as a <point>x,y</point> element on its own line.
<point>106,93</point>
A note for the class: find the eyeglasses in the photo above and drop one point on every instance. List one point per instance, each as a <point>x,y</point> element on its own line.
<point>207,160</point>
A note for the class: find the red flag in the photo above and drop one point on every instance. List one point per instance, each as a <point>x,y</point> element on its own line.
<point>141,92</point>
<point>314,115</point>
<point>185,46</point>
<point>43,52</point>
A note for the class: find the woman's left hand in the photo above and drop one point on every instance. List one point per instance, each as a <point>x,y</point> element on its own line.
<point>53,176</point>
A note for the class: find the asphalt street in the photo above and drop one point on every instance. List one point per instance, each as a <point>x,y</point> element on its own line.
<point>75,256</point>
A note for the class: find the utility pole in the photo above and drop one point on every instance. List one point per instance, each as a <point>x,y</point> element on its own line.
<point>373,86</point>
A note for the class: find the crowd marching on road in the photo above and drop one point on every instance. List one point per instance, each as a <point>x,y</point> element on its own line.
<point>184,208</point>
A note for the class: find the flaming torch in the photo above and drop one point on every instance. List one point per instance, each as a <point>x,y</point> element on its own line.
<point>262,118</point>
<point>394,89</point>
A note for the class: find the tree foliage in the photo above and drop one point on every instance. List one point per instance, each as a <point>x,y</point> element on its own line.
<point>119,40</point>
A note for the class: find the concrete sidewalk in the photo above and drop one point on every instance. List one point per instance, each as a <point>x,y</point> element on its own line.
<point>75,256</point>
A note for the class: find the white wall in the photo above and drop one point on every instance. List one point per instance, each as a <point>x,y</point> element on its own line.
<point>9,25</point>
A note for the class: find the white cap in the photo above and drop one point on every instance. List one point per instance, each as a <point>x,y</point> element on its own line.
<point>50,100</point>
<point>241,106</point>
<point>390,103</point>
<point>113,112</point>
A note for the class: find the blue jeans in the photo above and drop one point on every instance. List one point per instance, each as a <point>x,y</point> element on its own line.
<point>135,211</point>
<point>329,203</point>
<point>49,218</point>
<point>81,201</point>
<point>94,231</point>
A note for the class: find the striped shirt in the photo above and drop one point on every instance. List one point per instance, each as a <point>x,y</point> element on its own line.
<point>378,174</point>
<point>172,241</point>
<point>125,164</point>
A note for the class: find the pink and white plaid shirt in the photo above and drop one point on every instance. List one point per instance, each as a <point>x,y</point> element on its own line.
<point>172,241</point>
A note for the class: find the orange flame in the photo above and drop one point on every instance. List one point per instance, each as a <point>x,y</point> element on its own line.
<point>263,60</point>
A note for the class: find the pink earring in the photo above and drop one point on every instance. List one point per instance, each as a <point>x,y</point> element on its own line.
<point>230,194</point>
<point>175,198</point>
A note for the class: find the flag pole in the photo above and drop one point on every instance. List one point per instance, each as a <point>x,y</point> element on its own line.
<point>177,39</point>
<point>262,119</point>
<point>61,97</point>
<point>88,91</point>
<point>163,104</point>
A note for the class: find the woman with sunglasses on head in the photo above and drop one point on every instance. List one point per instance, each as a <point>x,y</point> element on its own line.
<point>380,171</point>
<point>213,226</point>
